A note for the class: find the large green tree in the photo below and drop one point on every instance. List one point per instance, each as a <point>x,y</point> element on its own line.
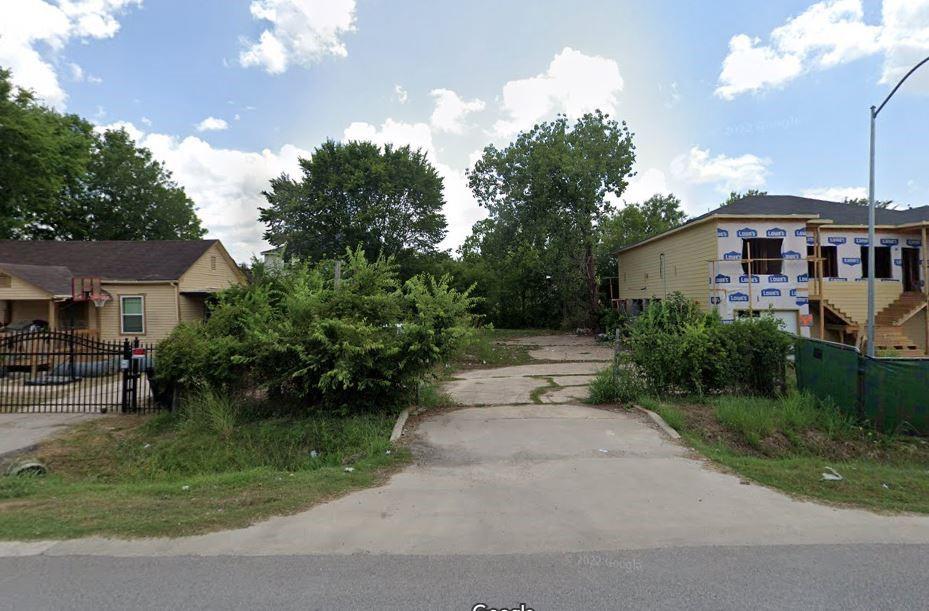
<point>545,194</point>
<point>42,152</point>
<point>59,179</point>
<point>124,194</point>
<point>387,200</point>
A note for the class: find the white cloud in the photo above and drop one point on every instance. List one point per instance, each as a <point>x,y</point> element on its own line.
<point>146,121</point>
<point>645,184</point>
<point>827,34</point>
<point>26,26</point>
<point>729,173</point>
<point>212,124</point>
<point>134,132</point>
<point>400,92</point>
<point>301,32</point>
<point>451,111</point>
<point>836,194</point>
<point>574,83</point>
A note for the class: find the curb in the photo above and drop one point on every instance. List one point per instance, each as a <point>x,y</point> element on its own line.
<point>664,426</point>
<point>398,425</point>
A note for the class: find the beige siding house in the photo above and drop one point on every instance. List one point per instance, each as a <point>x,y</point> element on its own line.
<point>111,289</point>
<point>802,260</point>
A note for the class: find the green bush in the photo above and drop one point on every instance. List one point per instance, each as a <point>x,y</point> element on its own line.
<point>293,333</point>
<point>681,349</point>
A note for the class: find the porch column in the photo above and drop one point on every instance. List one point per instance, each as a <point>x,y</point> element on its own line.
<point>52,315</point>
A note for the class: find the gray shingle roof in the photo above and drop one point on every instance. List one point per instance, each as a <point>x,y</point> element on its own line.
<point>52,278</point>
<point>110,260</point>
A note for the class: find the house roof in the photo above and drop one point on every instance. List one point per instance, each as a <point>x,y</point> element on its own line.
<point>54,279</point>
<point>840,213</point>
<point>110,260</point>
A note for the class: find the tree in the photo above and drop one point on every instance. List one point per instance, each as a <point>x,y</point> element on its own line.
<point>353,194</point>
<point>545,194</point>
<point>41,153</point>
<point>634,223</point>
<point>735,196</point>
<point>124,194</point>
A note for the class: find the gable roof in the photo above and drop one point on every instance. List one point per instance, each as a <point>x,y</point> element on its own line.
<point>53,279</point>
<point>110,260</point>
<point>840,213</point>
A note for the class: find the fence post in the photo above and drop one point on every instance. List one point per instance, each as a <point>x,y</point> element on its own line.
<point>126,361</point>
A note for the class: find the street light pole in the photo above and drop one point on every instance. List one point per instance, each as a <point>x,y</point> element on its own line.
<point>874,112</point>
<point>871,239</point>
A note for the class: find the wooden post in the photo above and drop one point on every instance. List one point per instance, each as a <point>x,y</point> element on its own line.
<point>818,253</point>
<point>52,315</point>
<point>751,273</point>
<point>925,259</point>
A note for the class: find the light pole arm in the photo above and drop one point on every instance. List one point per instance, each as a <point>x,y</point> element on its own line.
<point>894,90</point>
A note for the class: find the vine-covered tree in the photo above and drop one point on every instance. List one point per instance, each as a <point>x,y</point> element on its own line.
<point>386,200</point>
<point>545,194</point>
<point>633,223</point>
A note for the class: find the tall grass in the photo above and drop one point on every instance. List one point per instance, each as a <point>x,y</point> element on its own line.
<point>757,418</point>
<point>617,384</point>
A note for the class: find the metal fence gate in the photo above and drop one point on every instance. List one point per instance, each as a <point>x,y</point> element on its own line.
<point>69,371</point>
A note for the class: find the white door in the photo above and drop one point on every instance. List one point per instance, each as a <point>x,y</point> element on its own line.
<point>790,320</point>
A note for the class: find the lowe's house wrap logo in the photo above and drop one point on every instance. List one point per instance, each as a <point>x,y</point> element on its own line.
<point>810,240</point>
<point>778,278</point>
<point>861,241</point>
<point>802,302</point>
<point>746,232</point>
<point>914,242</point>
<point>776,232</point>
<point>743,279</point>
<point>799,233</point>
<point>732,256</point>
<point>715,300</point>
<point>803,278</point>
<point>738,298</point>
<point>791,255</point>
<point>851,260</point>
<point>793,292</point>
<point>723,279</point>
<point>771,293</point>
<point>837,240</point>
<point>890,241</point>
<point>721,233</point>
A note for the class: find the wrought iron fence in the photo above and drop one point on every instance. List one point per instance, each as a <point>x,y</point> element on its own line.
<point>62,371</point>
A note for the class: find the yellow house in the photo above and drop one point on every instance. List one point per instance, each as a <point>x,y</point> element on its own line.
<point>803,260</point>
<point>111,289</point>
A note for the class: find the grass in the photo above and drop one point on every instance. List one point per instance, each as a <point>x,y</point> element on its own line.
<point>488,348</point>
<point>787,443</point>
<point>180,474</point>
<point>536,395</point>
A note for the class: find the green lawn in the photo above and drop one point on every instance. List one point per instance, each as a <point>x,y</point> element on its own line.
<point>788,443</point>
<point>488,348</point>
<point>168,476</point>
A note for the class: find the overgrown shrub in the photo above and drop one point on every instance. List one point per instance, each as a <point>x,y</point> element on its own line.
<point>680,348</point>
<point>293,333</point>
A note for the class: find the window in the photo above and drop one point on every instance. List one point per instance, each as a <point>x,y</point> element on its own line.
<point>661,265</point>
<point>213,263</point>
<point>5,281</point>
<point>881,262</point>
<point>132,314</point>
<point>830,255</point>
<point>762,248</point>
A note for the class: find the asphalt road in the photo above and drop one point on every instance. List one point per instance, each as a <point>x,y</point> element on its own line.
<point>827,577</point>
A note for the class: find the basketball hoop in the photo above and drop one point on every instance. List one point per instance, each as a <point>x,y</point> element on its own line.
<point>89,288</point>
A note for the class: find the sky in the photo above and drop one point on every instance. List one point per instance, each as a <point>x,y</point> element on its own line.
<point>721,96</point>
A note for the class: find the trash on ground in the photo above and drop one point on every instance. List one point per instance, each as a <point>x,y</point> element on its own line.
<point>349,469</point>
<point>831,475</point>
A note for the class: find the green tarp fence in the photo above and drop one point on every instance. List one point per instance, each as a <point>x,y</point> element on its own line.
<point>891,393</point>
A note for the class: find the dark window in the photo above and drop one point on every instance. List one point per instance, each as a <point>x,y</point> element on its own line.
<point>882,267</point>
<point>763,248</point>
<point>830,255</point>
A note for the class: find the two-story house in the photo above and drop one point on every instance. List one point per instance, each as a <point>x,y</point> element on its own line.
<point>803,260</point>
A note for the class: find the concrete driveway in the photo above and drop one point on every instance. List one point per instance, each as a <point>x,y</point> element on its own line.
<point>22,431</point>
<point>516,476</point>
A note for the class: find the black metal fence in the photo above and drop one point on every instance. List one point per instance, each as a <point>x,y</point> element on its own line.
<point>72,371</point>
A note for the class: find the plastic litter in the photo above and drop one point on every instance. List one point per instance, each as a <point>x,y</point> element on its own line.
<point>349,469</point>
<point>185,487</point>
<point>831,475</point>
<point>313,453</point>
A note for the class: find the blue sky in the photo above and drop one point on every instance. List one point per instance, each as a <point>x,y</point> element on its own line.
<point>721,95</point>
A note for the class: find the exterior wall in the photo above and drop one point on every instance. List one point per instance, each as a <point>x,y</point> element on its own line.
<point>213,271</point>
<point>161,311</point>
<point>28,310</point>
<point>192,308</point>
<point>785,293</point>
<point>915,329</point>
<point>686,256</point>
<point>849,291</point>
<point>20,289</point>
